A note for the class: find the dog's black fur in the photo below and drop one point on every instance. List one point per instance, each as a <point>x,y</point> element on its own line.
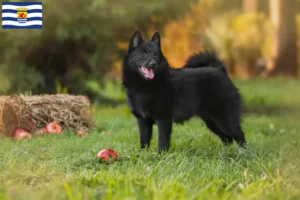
<point>201,88</point>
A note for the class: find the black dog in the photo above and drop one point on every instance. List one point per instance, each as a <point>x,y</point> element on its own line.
<point>158,94</point>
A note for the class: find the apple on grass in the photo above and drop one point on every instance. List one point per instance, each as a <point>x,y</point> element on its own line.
<point>54,128</point>
<point>18,130</point>
<point>107,155</point>
<point>20,134</point>
<point>81,133</point>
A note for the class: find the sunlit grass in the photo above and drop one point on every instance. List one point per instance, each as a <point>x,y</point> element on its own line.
<point>197,166</point>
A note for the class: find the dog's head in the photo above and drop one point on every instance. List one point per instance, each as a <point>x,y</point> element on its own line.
<point>144,57</point>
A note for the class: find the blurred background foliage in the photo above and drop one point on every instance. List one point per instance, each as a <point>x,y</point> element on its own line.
<point>80,48</point>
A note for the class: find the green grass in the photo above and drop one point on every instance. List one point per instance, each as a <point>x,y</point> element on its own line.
<point>196,167</point>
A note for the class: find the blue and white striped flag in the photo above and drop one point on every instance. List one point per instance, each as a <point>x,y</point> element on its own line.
<point>21,15</point>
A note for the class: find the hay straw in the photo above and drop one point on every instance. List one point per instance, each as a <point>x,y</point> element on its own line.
<point>72,112</point>
<point>14,113</point>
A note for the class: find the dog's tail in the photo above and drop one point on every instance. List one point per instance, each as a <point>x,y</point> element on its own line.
<point>205,59</point>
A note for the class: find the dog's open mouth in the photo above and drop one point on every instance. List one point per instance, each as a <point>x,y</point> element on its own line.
<point>147,72</point>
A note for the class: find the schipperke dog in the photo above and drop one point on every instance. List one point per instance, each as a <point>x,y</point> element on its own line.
<point>158,94</point>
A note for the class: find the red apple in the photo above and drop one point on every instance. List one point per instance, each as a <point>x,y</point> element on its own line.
<point>54,128</point>
<point>81,133</point>
<point>107,155</point>
<point>20,134</point>
<point>18,130</point>
<point>41,131</point>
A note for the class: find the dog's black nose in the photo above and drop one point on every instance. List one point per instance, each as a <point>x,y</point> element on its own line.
<point>152,64</point>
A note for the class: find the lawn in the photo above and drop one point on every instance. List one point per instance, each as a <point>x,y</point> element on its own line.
<point>196,167</point>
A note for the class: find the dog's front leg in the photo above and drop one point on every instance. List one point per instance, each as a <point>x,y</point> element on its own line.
<point>164,134</point>
<point>145,128</point>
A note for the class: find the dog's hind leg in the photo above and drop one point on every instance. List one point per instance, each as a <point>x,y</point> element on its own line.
<point>240,138</point>
<point>231,126</point>
<point>145,128</point>
<point>226,139</point>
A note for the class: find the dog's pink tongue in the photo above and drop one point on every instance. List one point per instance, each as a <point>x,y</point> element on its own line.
<point>148,73</point>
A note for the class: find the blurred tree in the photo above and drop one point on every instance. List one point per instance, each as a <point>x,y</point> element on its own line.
<point>240,40</point>
<point>220,38</point>
<point>283,61</point>
<point>78,42</point>
<point>250,6</point>
<point>184,37</point>
<point>228,5</point>
<point>250,35</point>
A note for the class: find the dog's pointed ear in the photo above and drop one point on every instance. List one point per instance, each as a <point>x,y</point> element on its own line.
<point>136,39</point>
<point>156,39</point>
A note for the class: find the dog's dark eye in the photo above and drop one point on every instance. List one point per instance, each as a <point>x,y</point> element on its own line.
<point>155,56</point>
<point>143,55</point>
